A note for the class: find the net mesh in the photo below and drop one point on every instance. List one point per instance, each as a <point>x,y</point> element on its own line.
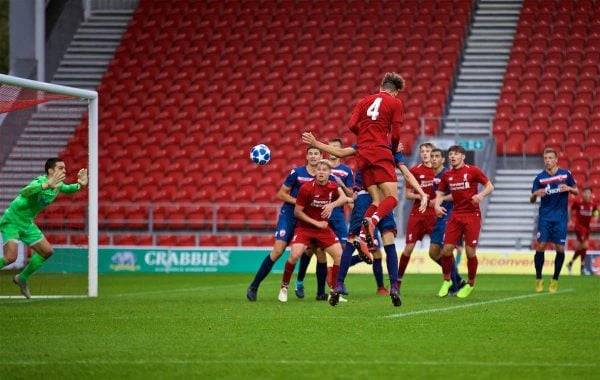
<point>13,98</point>
<point>30,135</point>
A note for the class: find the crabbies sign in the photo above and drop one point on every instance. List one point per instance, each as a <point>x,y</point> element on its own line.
<point>181,260</point>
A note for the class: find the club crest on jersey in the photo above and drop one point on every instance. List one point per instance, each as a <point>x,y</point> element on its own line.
<point>281,233</point>
<point>466,181</point>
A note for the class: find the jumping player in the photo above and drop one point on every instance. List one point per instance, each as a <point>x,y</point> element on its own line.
<point>387,227</point>
<point>17,222</point>
<point>315,203</point>
<point>462,181</point>
<point>583,211</point>
<point>286,221</point>
<point>553,186</point>
<point>374,119</point>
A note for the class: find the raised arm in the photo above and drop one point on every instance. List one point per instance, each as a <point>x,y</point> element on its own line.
<point>309,139</point>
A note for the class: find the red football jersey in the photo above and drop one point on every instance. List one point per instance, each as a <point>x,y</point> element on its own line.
<point>375,120</point>
<point>313,196</point>
<point>583,212</point>
<point>462,183</point>
<point>425,177</point>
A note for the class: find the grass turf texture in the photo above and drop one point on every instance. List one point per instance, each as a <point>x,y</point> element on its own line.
<point>202,326</point>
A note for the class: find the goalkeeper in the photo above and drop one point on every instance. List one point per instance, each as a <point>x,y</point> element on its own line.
<point>17,221</point>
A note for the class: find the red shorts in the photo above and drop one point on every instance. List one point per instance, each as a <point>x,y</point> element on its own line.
<point>419,226</point>
<point>314,236</point>
<point>582,233</point>
<point>467,225</point>
<point>378,171</point>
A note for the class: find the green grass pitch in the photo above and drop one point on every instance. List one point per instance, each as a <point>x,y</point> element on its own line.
<point>202,326</point>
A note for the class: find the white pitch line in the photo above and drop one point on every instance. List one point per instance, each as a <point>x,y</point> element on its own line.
<point>464,306</point>
<point>167,361</point>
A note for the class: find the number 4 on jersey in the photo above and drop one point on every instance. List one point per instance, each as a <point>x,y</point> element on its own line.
<point>373,110</point>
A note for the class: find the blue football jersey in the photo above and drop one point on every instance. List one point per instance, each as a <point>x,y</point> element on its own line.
<point>553,205</point>
<point>297,177</point>
<point>436,181</point>
<point>347,176</point>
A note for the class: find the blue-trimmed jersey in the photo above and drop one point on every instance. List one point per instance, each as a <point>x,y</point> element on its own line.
<point>437,235</point>
<point>344,172</point>
<point>286,221</point>
<point>436,181</point>
<point>553,205</point>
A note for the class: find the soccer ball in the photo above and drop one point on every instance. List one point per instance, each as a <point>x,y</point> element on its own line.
<point>260,154</point>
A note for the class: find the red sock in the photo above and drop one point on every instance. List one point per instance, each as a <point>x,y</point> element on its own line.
<point>446,266</point>
<point>402,267</point>
<point>287,273</point>
<point>472,268</point>
<point>370,210</point>
<point>385,207</point>
<point>334,273</point>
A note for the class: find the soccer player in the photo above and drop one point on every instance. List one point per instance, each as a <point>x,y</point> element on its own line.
<point>373,120</point>
<point>345,179</point>
<point>387,226</point>
<point>315,203</point>
<point>287,222</point>
<point>17,222</point>
<point>553,186</point>
<point>583,211</point>
<point>419,223</point>
<point>462,181</point>
<point>437,235</point>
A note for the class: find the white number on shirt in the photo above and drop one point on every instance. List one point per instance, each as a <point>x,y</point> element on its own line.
<point>373,110</point>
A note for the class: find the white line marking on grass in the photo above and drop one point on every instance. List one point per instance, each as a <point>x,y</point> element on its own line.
<point>245,362</point>
<point>464,306</point>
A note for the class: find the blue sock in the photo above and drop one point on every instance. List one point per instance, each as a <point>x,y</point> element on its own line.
<point>456,279</point>
<point>538,260</point>
<point>355,259</point>
<point>378,272</point>
<point>558,263</point>
<point>321,277</point>
<point>263,271</point>
<point>304,262</point>
<point>345,263</point>
<point>392,262</point>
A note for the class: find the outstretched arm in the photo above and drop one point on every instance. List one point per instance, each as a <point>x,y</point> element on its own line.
<point>412,181</point>
<point>309,139</point>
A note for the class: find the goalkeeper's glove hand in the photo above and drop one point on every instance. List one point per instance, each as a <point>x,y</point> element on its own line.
<point>82,177</point>
<point>55,179</point>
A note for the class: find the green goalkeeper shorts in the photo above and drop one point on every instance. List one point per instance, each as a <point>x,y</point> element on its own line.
<point>28,234</point>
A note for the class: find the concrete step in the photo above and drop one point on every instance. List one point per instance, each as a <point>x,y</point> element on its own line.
<point>493,213</point>
<point>89,50</point>
<point>523,235</point>
<point>473,104</point>
<point>476,99</point>
<point>482,77</point>
<point>493,45</point>
<point>467,131</point>
<point>470,91</point>
<point>70,75</point>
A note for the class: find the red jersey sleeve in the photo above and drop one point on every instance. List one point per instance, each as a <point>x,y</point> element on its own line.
<point>575,206</point>
<point>443,185</point>
<point>355,118</point>
<point>481,178</point>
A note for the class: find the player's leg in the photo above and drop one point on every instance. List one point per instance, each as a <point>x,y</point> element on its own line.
<point>471,230</point>
<point>43,250</point>
<point>559,237</point>
<point>389,192</point>
<point>302,268</point>
<point>10,237</point>
<point>454,230</point>
<point>321,272</point>
<point>335,251</point>
<point>388,239</point>
<point>584,247</point>
<point>543,236</point>
<point>283,234</point>
<point>297,250</point>
<point>340,228</point>
<point>578,250</point>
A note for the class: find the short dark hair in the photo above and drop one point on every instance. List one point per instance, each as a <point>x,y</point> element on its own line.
<point>587,187</point>
<point>437,150</point>
<point>335,139</point>
<point>51,163</point>
<point>458,149</point>
<point>550,150</point>
<point>392,82</point>
<point>313,147</point>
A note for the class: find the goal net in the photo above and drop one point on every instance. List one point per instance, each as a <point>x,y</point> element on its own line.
<point>39,121</point>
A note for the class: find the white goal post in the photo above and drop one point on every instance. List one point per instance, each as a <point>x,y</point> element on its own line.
<point>92,216</point>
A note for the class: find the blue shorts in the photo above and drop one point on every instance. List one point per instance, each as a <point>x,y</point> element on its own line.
<point>361,204</point>
<point>437,235</point>
<point>286,223</point>
<point>340,228</point>
<point>552,231</point>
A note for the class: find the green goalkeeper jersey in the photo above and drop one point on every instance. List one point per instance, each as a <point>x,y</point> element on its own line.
<point>32,199</point>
